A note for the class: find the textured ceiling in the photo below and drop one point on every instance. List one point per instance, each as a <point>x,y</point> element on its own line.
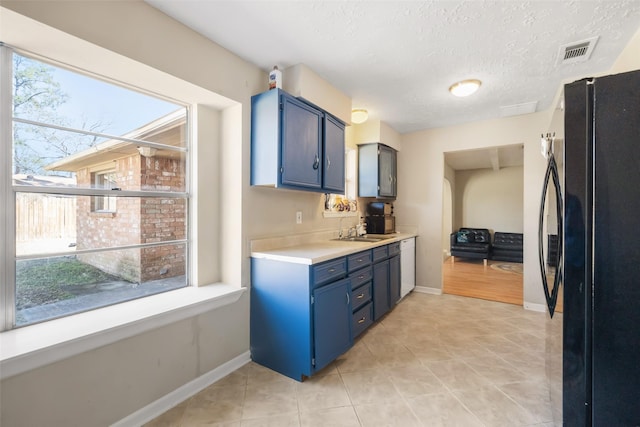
<point>398,58</point>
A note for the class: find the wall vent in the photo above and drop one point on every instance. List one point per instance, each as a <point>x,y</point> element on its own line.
<point>576,52</point>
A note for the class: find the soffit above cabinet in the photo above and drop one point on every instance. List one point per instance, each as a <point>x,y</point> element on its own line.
<point>373,131</point>
<point>300,81</point>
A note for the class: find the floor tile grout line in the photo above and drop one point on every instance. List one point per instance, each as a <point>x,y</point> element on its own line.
<point>353,406</point>
<point>392,323</point>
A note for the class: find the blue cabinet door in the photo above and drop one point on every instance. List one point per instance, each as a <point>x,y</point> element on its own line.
<point>380,289</point>
<point>377,171</point>
<point>301,144</point>
<point>332,322</point>
<point>394,279</point>
<point>333,166</point>
<point>387,171</point>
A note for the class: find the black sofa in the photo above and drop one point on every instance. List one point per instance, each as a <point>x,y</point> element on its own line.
<point>507,247</point>
<point>471,243</point>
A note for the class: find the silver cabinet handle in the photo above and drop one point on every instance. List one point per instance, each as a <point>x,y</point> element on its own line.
<point>362,320</point>
<point>348,299</point>
<point>360,296</point>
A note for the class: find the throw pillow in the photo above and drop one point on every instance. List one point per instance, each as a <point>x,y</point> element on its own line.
<point>480,238</point>
<point>462,237</point>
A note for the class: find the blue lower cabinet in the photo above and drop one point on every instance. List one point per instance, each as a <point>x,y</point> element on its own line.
<point>304,316</point>
<point>361,295</point>
<point>381,300</point>
<point>362,319</point>
<point>394,279</point>
<point>332,322</point>
<point>296,326</point>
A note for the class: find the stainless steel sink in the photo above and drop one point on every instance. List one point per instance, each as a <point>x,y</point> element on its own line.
<point>359,239</point>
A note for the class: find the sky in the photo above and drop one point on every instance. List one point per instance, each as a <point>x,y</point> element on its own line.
<point>100,102</point>
<point>91,104</point>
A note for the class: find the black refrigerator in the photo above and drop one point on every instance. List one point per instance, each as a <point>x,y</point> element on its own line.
<point>600,252</point>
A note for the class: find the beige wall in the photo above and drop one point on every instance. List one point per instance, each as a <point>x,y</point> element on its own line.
<point>421,161</point>
<point>181,352</point>
<point>629,59</point>
<point>486,198</point>
<point>99,387</point>
<point>102,386</point>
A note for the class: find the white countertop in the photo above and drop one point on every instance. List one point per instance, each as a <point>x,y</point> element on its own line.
<point>317,251</point>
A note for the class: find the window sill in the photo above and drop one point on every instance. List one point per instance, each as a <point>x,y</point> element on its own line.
<point>27,348</point>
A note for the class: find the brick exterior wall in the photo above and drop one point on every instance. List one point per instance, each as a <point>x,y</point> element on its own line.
<point>136,220</point>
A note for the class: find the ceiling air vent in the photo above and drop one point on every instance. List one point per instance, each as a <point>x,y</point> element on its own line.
<point>576,51</point>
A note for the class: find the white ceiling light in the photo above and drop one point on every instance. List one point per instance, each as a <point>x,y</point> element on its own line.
<point>359,115</point>
<point>465,87</point>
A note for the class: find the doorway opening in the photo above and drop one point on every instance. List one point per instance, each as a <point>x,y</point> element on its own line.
<point>483,188</point>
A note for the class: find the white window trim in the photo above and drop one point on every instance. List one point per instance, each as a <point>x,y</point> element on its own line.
<point>7,219</point>
<point>31,347</point>
<point>7,292</point>
<point>101,201</point>
<point>114,66</point>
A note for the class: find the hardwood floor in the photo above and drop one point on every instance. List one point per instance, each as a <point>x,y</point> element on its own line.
<point>471,278</point>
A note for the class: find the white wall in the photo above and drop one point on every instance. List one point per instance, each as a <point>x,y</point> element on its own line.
<point>486,198</point>
<point>421,162</point>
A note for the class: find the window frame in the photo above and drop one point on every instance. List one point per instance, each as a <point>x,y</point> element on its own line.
<point>98,203</point>
<point>8,190</point>
<point>350,188</point>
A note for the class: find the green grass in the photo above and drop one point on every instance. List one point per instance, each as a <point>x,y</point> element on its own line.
<point>41,282</point>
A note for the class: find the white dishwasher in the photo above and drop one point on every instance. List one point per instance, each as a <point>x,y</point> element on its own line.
<point>407,265</point>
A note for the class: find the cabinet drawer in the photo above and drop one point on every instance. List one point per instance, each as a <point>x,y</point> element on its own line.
<point>356,261</point>
<point>360,296</point>
<point>362,319</point>
<point>360,277</point>
<point>380,253</point>
<point>394,249</point>
<point>328,271</point>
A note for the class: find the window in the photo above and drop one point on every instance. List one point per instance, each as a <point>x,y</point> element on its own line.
<point>107,181</point>
<point>77,148</point>
<point>344,205</point>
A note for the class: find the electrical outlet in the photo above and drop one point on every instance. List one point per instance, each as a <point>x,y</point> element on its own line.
<point>299,217</point>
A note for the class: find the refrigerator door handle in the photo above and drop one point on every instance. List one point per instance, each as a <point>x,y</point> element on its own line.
<point>551,177</point>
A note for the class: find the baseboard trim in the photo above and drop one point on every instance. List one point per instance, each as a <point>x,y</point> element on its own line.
<point>428,290</point>
<point>179,395</point>
<point>535,307</point>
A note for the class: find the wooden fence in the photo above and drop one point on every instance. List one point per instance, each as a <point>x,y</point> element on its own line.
<point>43,216</point>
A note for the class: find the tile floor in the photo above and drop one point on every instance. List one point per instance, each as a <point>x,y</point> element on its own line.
<point>433,361</point>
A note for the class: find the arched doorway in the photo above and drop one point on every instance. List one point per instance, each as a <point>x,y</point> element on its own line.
<point>447,217</point>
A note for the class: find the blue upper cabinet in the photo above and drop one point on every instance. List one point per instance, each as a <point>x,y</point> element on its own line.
<point>301,144</point>
<point>333,167</point>
<point>377,171</point>
<point>295,144</point>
